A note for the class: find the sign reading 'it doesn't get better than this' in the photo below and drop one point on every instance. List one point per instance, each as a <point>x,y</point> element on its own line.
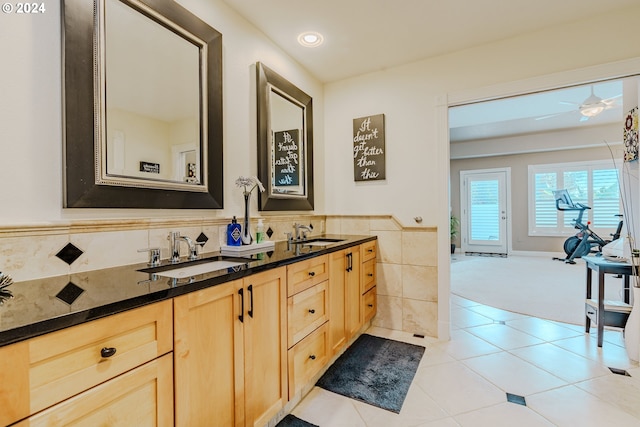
<point>368,148</point>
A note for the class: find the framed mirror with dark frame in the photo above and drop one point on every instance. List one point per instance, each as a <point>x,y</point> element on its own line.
<point>285,143</point>
<point>142,89</point>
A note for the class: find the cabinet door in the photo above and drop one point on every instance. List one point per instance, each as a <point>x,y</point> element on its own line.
<point>265,338</point>
<point>141,397</point>
<point>353,308</point>
<point>209,362</point>
<point>337,295</point>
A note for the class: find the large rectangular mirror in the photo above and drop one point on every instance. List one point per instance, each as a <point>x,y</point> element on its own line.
<point>285,143</point>
<point>143,106</point>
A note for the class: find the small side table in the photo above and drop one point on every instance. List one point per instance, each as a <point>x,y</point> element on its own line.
<point>602,267</point>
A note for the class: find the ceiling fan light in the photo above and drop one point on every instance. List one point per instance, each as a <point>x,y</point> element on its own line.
<point>591,110</point>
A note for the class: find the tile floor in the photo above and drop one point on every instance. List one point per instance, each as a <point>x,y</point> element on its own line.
<point>559,370</point>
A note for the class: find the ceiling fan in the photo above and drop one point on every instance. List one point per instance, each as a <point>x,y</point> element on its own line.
<point>590,107</point>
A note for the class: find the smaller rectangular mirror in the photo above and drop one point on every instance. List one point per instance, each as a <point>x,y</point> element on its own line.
<point>285,143</point>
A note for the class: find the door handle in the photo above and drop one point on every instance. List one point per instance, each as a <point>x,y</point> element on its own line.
<point>250,312</point>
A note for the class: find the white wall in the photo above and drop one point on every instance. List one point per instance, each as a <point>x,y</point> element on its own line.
<point>410,97</point>
<point>31,114</point>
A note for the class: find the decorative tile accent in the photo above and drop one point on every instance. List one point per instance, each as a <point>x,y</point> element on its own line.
<point>514,398</point>
<point>269,232</point>
<point>70,293</point>
<point>619,371</point>
<point>202,238</point>
<point>500,322</point>
<point>69,253</point>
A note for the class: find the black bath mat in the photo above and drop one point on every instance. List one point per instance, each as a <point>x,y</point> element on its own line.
<point>293,421</point>
<point>374,370</point>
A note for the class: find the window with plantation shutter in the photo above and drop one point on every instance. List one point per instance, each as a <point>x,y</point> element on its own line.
<point>594,184</point>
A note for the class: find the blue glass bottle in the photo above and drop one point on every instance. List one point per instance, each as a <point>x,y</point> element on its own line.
<point>234,233</point>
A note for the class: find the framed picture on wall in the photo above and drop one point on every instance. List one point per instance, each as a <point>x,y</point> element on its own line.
<point>368,148</point>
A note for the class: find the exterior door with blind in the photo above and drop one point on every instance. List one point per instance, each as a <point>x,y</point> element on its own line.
<point>484,203</point>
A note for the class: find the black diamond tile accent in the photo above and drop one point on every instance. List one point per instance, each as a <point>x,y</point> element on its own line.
<point>269,232</point>
<point>70,293</point>
<point>202,238</point>
<point>514,398</point>
<point>619,371</point>
<point>69,253</point>
<point>269,254</point>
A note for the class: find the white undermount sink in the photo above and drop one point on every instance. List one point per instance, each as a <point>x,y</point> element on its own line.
<point>319,241</point>
<point>193,270</point>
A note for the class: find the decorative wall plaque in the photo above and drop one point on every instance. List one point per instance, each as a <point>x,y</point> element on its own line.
<point>630,137</point>
<point>368,148</point>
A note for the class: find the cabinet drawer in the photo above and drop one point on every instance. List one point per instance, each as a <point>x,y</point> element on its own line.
<point>69,361</point>
<point>307,358</point>
<point>370,302</point>
<point>305,274</point>
<point>368,275</point>
<point>368,250</point>
<point>307,310</point>
<point>143,396</point>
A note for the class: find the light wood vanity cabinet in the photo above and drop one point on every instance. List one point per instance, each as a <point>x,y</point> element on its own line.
<point>46,370</point>
<point>352,292</point>
<point>230,352</point>
<point>308,313</point>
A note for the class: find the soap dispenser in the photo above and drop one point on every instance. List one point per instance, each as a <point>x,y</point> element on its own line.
<point>260,231</point>
<point>234,233</point>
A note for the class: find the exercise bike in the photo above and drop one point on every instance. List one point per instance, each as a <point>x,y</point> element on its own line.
<point>585,240</point>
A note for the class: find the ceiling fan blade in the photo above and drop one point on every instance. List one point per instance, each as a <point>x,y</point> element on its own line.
<point>548,116</point>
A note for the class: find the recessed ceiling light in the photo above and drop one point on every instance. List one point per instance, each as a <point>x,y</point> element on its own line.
<point>310,39</point>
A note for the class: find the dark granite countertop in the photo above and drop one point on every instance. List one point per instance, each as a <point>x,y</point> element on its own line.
<point>46,305</point>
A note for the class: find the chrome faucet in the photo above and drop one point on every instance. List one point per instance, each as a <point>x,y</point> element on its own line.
<point>301,229</point>
<point>174,246</point>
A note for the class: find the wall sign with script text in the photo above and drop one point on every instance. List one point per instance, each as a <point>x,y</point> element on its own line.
<point>368,148</point>
<point>149,167</point>
<point>287,157</point>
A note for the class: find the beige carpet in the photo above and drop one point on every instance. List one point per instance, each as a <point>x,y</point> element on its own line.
<point>536,286</point>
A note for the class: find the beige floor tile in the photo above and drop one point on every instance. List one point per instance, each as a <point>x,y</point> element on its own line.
<point>503,415</point>
<point>561,363</point>
<point>504,336</point>
<point>496,313</point>
<point>464,318</point>
<point>447,422</point>
<point>543,329</point>
<point>328,409</point>
<point>418,408</point>
<point>570,407</point>
<point>609,355</point>
<point>513,375</point>
<point>621,391</point>
<point>456,388</point>
<point>464,345</point>
<point>462,302</point>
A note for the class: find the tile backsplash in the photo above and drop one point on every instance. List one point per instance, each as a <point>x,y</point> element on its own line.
<point>407,268</point>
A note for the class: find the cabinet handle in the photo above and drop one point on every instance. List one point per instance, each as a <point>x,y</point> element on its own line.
<point>370,274</point>
<point>370,305</point>
<point>349,261</point>
<point>312,357</point>
<point>241,316</point>
<point>312,273</point>
<point>311,310</point>
<point>107,352</point>
<point>250,289</point>
<point>369,250</point>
